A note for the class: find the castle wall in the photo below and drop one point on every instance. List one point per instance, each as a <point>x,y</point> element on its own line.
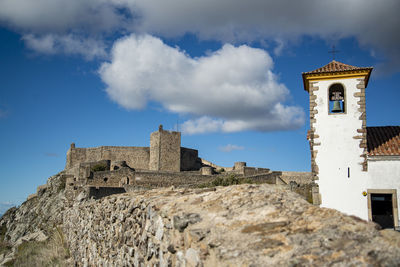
<point>154,161</point>
<point>190,159</point>
<point>153,179</point>
<point>115,178</point>
<point>298,177</point>
<point>85,168</point>
<point>135,157</point>
<point>254,171</point>
<point>215,166</point>
<point>268,178</point>
<point>165,151</point>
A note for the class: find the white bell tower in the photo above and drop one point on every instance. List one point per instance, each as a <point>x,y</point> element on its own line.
<point>337,135</point>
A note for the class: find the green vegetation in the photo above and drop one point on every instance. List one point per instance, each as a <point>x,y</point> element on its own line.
<point>220,170</point>
<point>61,184</point>
<point>99,168</point>
<point>309,198</point>
<point>3,230</point>
<point>10,263</point>
<point>61,187</point>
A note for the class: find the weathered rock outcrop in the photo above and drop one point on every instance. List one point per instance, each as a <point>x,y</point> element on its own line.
<point>39,213</point>
<point>35,219</point>
<point>244,225</point>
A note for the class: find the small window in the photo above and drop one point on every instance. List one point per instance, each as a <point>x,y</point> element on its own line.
<point>336,99</point>
<point>105,179</point>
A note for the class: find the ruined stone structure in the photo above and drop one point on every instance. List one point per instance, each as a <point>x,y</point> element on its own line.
<point>164,154</point>
<point>165,151</point>
<point>107,170</point>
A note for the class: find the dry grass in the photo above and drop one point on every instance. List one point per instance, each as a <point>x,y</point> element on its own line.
<point>4,245</point>
<point>52,252</point>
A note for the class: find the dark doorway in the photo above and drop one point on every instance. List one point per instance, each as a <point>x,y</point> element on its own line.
<point>382,210</point>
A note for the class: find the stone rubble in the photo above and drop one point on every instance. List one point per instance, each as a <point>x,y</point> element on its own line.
<point>244,225</point>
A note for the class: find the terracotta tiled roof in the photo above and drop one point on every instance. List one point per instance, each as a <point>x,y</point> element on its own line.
<point>334,66</point>
<point>383,141</point>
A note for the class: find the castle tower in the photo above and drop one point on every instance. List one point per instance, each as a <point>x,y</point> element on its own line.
<point>70,156</point>
<point>165,151</point>
<point>337,135</point>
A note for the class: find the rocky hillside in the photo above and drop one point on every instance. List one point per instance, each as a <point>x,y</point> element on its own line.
<point>35,222</point>
<point>242,225</point>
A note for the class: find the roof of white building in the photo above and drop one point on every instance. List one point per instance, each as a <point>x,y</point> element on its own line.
<point>336,69</point>
<point>335,66</point>
<point>383,141</point>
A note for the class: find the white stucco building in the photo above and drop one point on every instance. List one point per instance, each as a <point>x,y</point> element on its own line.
<point>357,168</point>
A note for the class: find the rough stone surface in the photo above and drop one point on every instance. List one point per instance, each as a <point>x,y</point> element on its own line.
<point>135,157</point>
<point>245,225</point>
<point>165,151</point>
<point>36,218</point>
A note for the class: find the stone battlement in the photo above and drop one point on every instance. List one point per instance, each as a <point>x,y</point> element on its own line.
<point>165,154</point>
<point>105,170</point>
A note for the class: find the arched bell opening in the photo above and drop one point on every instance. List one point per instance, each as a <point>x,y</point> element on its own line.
<point>337,99</point>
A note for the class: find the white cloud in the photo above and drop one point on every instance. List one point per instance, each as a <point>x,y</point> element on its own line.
<point>202,125</point>
<point>374,23</point>
<point>67,44</point>
<point>232,89</point>
<point>229,148</point>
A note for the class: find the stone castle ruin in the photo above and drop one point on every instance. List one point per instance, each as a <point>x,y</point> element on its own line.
<point>106,170</point>
<point>164,154</point>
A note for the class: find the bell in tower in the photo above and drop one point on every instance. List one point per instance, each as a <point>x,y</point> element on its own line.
<point>337,108</point>
<point>336,98</point>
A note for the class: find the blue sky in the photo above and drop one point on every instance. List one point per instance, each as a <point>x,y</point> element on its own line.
<point>227,73</point>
